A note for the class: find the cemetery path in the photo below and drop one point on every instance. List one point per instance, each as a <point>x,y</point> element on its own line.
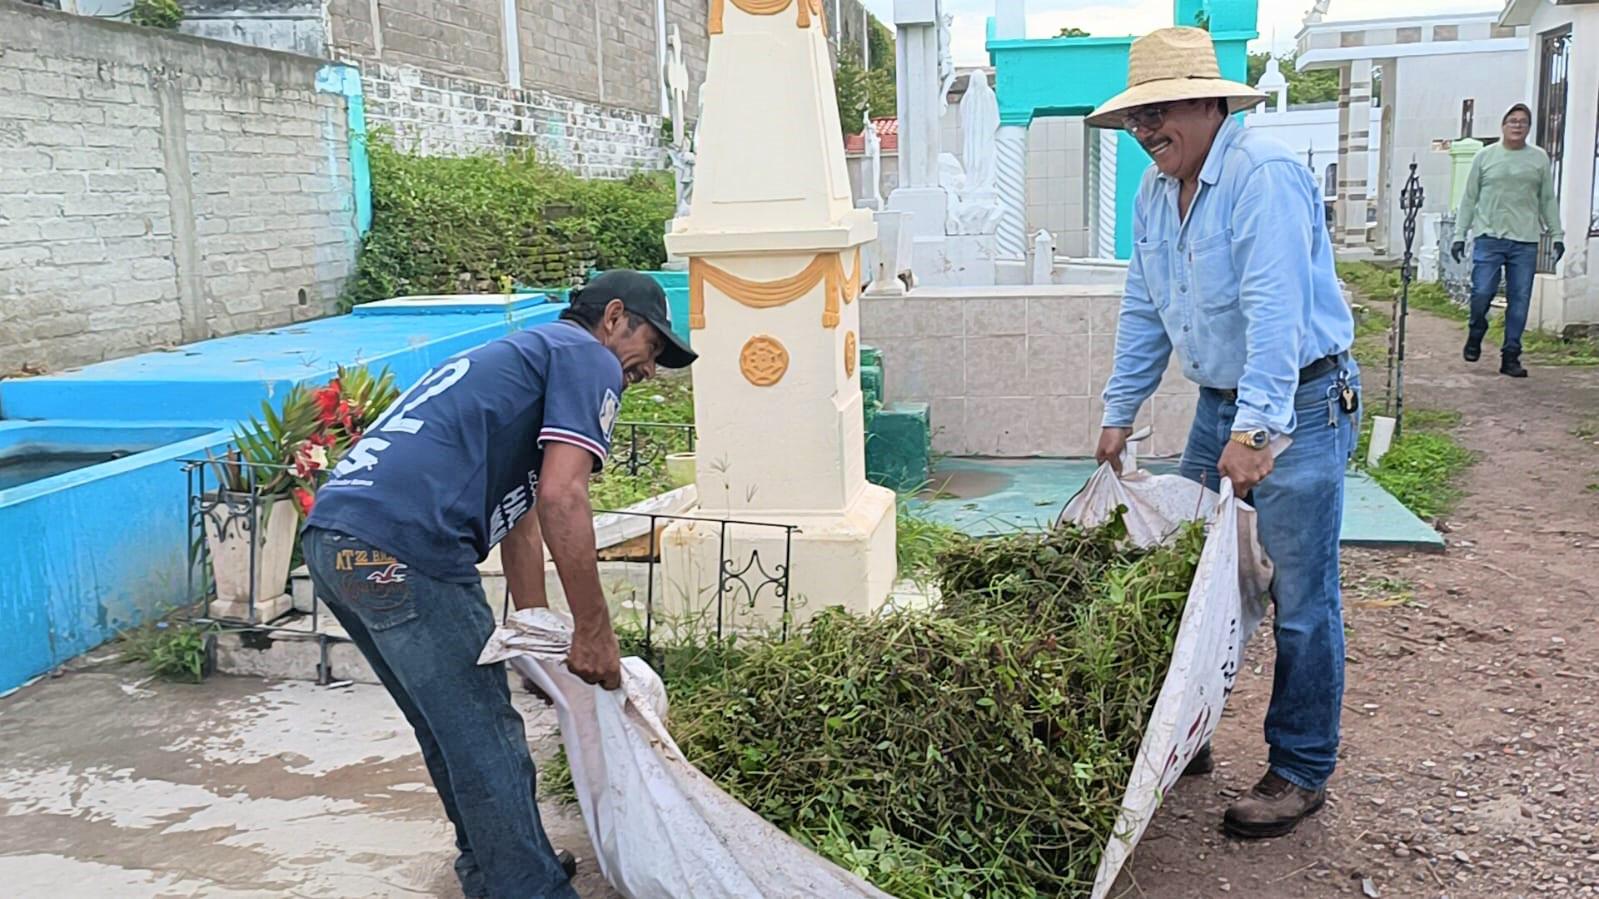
<point>1471,718</point>
<point>1470,763</point>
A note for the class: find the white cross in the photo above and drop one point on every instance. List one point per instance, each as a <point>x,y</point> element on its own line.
<point>676,82</point>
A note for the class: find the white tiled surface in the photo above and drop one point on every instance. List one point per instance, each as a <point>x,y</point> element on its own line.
<point>1013,371</point>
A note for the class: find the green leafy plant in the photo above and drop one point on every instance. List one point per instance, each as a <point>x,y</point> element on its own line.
<point>490,223</point>
<point>264,447</point>
<point>156,13</point>
<point>919,543</point>
<point>170,650</point>
<point>285,448</point>
<point>976,749</point>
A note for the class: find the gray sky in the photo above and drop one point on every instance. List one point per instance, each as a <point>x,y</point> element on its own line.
<point>1114,17</point>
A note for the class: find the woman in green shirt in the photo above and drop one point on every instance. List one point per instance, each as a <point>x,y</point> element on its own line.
<point>1509,204</point>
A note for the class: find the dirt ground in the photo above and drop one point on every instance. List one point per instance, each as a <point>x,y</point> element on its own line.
<point>1470,757</point>
<point>1469,768</point>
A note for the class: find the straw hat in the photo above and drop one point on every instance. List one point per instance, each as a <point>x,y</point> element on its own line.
<point>1169,65</point>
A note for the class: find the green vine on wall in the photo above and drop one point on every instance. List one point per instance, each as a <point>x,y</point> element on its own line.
<point>481,224</point>
<point>156,13</point>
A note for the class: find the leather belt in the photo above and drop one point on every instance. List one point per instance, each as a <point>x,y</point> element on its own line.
<point>1309,373</point>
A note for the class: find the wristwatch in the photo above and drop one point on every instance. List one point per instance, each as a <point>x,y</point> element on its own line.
<point>1255,439</point>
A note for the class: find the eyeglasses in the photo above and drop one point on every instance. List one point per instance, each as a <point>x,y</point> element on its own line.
<point>1145,118</point>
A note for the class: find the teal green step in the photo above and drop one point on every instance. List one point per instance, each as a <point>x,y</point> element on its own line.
<point>872,385</point>
<point>899,441</point>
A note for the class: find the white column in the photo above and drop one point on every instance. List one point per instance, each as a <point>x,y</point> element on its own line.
<point>513,42</point>
<point>1011,169</point>
<point>916,49</point>
<point>1105,238</point>
<point>1352,163</point>
<point>661,56</point>
<point>1010,19</point>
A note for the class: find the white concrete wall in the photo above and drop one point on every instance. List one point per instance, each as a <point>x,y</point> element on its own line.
<point>1427,97</point>
<point>1304,129</point>
<point>1014,371</point>
<point>1572,295</point>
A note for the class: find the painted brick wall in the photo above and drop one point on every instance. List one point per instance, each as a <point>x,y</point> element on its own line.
<point>440,115</point>
<point>157,189</point>
<point>458,37</point>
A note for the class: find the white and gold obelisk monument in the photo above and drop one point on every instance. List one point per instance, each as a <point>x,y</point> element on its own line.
<point>774,248</point>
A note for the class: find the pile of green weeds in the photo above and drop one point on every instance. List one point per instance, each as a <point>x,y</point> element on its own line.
<point>980,748</point>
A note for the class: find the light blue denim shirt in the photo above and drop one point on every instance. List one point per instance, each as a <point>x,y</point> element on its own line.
<point>1244,289</point>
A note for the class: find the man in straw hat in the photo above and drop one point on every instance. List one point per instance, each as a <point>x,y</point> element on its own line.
<point>1232,268</point>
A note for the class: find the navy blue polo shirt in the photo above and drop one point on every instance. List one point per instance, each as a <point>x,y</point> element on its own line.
<point>453,465</point>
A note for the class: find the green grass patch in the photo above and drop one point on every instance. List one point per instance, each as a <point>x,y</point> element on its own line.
<point>919,543</point>
<point>168,649</point>
<point>1382,285</point>
<point>1422,470</point>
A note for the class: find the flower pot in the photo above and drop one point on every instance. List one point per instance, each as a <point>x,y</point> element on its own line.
<point>680,469</point>
<point>232,523</point>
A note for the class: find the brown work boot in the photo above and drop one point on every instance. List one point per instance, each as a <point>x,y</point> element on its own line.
<point>1272,808</point>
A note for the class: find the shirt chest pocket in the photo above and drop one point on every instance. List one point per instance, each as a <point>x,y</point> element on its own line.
<point>1214,279</point>
<point>1155,258</point>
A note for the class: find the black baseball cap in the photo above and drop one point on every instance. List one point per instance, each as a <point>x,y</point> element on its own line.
<point>642,296</point>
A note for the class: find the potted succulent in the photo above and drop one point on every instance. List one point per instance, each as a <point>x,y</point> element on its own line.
<point>267,484</point>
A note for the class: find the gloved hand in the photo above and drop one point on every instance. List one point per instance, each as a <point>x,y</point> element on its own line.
<point>1457,250</point>
<point>1560,250</point>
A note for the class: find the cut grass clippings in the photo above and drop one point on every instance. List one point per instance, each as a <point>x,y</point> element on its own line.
<point>977,749</point>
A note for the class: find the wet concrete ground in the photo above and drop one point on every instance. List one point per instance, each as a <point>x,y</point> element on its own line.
<point>112,785</point>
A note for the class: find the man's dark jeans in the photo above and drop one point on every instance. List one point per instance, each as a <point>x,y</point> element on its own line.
<point>1518,260</point>
<point>423,637</point>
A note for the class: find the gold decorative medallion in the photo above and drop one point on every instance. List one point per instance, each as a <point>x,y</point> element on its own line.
<point>850,352</point>
<point>763,360</point>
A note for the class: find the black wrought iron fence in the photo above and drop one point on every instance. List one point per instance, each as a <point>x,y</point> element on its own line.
<point>637,446</point>
<point>231,499</point>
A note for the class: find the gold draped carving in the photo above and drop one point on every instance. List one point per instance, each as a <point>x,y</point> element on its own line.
<point>807,9</point>
<point>852,285</point>
<point>770,294</point>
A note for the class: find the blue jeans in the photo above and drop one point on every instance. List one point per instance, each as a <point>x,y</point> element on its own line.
<point>422,637</point>
<point>1519,262</point>
<point>1300,514</point>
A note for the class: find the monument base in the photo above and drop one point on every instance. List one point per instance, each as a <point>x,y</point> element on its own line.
<point>927,208</point>
<point>843,560</point>
<point>959,260</point>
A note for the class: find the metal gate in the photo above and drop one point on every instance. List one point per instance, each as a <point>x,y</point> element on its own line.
<point>1554,63</point>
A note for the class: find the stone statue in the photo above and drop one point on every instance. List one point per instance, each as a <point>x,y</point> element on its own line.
<point>680,152</point>
<point>1317,12</point>
<point>676,75</point>
<point>974,205</point>
<point>682,159</point>
<point>979,127</point>
<point>873,170</point>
